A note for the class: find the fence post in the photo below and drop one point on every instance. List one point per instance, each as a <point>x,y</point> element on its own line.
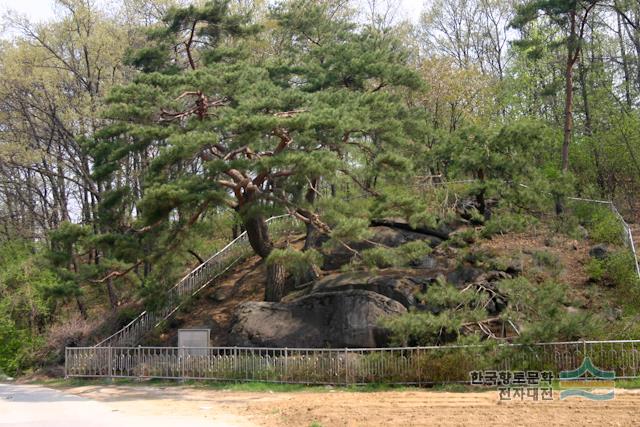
<point>236,374</point>
<point>346,366</point>
<point>109,367</point>
<point>286,364</point>
<point>66,362</point>
<point>418,367</point>
<point>139,357</point>
<point>182,356</point>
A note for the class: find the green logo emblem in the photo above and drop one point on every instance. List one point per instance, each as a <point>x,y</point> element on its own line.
<point>588,381</point>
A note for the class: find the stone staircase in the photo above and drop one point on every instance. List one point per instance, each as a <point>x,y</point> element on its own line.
<point>199,278</point>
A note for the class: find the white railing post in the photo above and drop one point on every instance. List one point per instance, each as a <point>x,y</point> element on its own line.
<point>346,367</point>
<point>109,366</point>
<point>286,363</point>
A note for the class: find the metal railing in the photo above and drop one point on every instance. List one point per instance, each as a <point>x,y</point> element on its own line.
<point>403,365</point>
<point>192,283</point>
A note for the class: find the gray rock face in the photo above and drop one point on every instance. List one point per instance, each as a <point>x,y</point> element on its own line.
<point>345,309</point>
<point>463,274</point>
<point>388,236</point>
<point>347,318</point>
<point>428,262</point>
<point>400,289</point>
<point>599,252</point>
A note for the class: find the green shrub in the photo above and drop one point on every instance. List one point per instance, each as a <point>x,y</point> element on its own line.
<point>616,270</point>
<point>423,328</point>
<point>602,224</point>
<point>569,226</point>
<point>13,347</point>
<point>595,269</point>
<point>503,263</point>
<point>463,238</point>
<point>475,257</point>
<point>507,223</point>
<point>548,261</point>
<point>607,230</point>
<point>378,257</point>
<point>621,273</point>
<point>403,255</point>
<point>297,263</point>
<point>541,311</point>
<point>126,315</point>
<point>620,267</point>
<point>587,213</point>
<point>426,328</point>
<point>454,364</point>
<point>413,251</point>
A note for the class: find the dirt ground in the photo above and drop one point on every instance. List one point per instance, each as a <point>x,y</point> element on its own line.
<point>335,407</point>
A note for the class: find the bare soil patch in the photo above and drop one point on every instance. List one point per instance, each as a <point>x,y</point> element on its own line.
<point>337,407</point>
<point>573,254</point>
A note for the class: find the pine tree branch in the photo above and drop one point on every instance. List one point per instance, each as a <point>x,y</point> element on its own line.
<point>189,43</point>
<point>115,274</point>
<point>359,183</point>
<point>195,254</point>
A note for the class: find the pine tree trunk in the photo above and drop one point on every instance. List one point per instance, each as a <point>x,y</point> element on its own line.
<point>625,63</point>
<point>113,298</point>
<point>312,233</point>
<point>480,197</point>
<point>81,308</point>
<point>568,100</point>
<point>588,130</point>
<point>572,48</point>
<point>311,239</point>
<point>276,277</point>
<point>258,234</point>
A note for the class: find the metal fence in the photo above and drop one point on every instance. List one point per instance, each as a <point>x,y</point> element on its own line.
<point>406,365</point>
<point>193,283</point>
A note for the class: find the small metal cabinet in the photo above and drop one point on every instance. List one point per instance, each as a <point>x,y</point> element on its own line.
<point>193,342</point>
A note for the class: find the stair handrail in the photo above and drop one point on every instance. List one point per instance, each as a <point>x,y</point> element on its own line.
<point>146,320</point>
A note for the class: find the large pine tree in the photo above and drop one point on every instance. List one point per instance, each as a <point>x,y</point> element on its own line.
<point>233,126</point>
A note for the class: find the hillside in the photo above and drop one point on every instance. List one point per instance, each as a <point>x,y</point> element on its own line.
<point>460,176</point>
<point>357,306</point>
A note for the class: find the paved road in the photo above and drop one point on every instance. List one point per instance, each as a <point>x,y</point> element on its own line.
<point>28,405</point>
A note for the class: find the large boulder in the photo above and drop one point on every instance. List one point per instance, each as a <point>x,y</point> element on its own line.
<point>399,286</point>
<point>348,318</point>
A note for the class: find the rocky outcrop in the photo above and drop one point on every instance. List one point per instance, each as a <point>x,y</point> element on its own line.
<point>398,287</point>
<point>388,236</point>
<point>599,252</point>
<point>348,318</point>
<point>345,309</point>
